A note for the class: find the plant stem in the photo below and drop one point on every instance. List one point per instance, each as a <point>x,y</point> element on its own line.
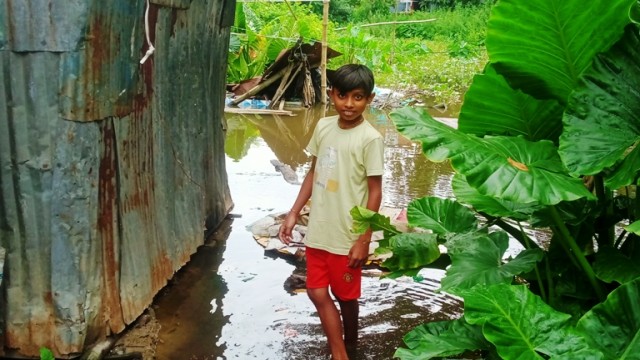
<point>506,227</point>
<point>565,237</point>
<point>543,292</point>
<point>606,234</point>
<point>552,295</point>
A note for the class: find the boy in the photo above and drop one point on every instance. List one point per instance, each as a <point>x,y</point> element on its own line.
<point>346,170</point>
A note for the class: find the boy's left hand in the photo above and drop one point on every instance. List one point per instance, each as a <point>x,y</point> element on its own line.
<point>359,252</point>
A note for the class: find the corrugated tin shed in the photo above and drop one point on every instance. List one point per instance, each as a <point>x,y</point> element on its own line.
<point>109,170</point>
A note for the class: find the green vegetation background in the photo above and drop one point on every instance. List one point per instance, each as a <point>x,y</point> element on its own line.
<point>437,59</point>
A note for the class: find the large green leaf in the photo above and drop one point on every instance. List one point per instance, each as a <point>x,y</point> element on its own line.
<point>571,212</point>
<point>412,251</point>
<point>482,263</point>
<point>633,227</point>
<point>543,46</point>
<point>487,204</point>
<point>634,12</point>
<point>492,107</point>
<point>441,338</point>
<point>613,265</point>
<point>522,326</point>
<point>442,216</point>
<point>602,120</point>
<point>363,219</point>
<point>614,325</point>
<point>508,168</point>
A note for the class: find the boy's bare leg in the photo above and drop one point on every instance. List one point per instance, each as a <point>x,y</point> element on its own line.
<point>330,319</point>
<point>350,311</point>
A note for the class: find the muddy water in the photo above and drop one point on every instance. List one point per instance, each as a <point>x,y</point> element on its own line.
<point>230,301</point>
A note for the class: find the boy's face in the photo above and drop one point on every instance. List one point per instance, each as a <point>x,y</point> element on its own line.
<point>350,105</point>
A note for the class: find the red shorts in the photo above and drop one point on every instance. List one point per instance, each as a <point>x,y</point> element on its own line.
<point>325,269</point>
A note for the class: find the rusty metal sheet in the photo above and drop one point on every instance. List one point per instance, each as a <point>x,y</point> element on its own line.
<point>96,216</point>
<point>103,78</point>
<point>178,4</point>
<point>42,25</point>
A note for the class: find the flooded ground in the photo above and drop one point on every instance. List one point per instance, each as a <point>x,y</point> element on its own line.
<point>231,301</point>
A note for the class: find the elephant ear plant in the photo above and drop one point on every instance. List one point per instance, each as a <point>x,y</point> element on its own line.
<point>547,141</point>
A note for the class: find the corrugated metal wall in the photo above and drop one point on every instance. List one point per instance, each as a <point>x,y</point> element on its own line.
<point>109,170</point>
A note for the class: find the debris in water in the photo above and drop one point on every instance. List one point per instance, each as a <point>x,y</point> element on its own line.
<point>287,172</point>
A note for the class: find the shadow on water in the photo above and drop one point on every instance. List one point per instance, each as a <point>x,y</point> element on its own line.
<point>230,300</point>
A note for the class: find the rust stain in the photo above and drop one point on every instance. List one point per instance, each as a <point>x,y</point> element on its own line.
<point>161,270</point>
<point>174,19</point>
<point>98,54</point>
<point>138,156</point>
<point>136,200</point>
<point>141,100</point>
<point>48,298</point>
<point>108,225</point>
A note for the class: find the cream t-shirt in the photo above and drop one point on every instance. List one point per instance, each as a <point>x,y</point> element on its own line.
<point>345,158</point>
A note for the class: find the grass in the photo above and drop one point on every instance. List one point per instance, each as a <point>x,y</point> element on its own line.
<point>438,59</point>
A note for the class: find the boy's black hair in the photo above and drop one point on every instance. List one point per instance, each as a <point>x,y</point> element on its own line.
<point>353,76</point>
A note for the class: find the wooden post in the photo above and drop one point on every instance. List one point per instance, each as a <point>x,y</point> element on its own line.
<point>323,58</point>
<point>256,89</point>
<point>393,39</point>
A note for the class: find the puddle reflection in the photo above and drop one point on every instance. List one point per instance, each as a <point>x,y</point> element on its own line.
<point>232,302</point>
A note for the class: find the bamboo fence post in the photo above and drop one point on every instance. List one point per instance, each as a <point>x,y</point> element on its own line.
<point>323,57</point>
<point>256,89</point>
<point>390,23</point>
<point>395,26</point>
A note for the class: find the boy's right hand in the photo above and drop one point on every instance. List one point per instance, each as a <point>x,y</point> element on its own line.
<point>287,227</point>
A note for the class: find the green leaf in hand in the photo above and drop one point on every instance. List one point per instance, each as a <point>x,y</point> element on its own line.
<point>363,219</point>
<point>411,251</point>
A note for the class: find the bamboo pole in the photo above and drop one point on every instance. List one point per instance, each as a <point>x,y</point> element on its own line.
<point>391,23</point>
<point>256,89</point>
<point>395,26</point>
<point>323,58</point>
<point>284,84</point>
<point>235,110</point>
<point>291,10</point>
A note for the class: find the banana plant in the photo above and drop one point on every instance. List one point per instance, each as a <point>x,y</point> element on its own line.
<point>546,140</point>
